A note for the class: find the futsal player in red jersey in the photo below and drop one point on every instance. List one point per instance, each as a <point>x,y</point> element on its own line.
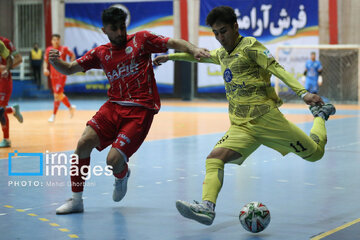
<point>57,79</point>
<point>125,119</point>
<point>6,90</point>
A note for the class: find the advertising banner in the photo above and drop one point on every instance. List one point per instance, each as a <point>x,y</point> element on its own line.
<point>272,22</point>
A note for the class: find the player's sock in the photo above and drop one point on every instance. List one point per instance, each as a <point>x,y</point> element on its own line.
<point>77,195</point>
<point>209,204</point>
<point>318,135</point>
<point>56,106</point>
<point>77,182</point>
<point>9,110</point>
<point>66,102</point>
<point>213,179</point>
<point>122,174</point>
<point>5,128</point>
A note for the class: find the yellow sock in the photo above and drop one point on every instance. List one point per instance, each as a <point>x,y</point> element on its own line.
<point>213,179</point>
<point>318,134</point>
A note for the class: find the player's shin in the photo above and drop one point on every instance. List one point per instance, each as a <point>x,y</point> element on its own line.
<point>213,180</point>
<point>78,174</point>
<point>318,135</point>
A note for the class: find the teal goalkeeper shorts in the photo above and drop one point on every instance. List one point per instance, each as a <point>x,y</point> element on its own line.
<point>272,130</point>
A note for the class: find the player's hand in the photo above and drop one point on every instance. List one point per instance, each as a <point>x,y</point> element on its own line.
<point>201,53</point>
<point>46,72</point>
<point>313,99</point>
<point>160,60</point>
<point>54,55</point>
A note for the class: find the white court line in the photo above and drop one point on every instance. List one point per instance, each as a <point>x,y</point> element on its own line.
<point>254,177</point>
<point>309,184</point>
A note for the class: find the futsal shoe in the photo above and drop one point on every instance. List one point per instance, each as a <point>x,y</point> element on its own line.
<point>120,187</point>
<point>196,211</point>
<point>17,113</point>
<point>327,110</point>
<point>72,110</point>
<point>315,110</point>
<point>71,206</point>
<point>51,119</point>
<point>5,143</point>
<point>323,111</point>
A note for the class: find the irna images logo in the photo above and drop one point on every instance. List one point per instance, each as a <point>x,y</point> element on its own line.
<point>56,164</point>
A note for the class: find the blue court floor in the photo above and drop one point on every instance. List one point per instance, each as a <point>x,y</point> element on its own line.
<point>305,199</point>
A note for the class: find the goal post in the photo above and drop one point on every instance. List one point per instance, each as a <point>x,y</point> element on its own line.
<point>341,74</point>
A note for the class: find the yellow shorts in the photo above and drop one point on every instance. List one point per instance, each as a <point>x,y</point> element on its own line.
<point>272,130</point>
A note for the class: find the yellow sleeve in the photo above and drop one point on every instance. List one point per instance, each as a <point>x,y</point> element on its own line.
<point>190,58</point>
<point>4,52</point>
<point>262,56</point>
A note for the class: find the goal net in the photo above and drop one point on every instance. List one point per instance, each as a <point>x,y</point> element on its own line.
<point>341,75</point>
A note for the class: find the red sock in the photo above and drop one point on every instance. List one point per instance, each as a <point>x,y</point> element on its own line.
<point>122,173</point>
<point>66,102</point>
<point>9,110</point>
<point>77,183</point>
<point>56,106</point>
<point>5,128</point>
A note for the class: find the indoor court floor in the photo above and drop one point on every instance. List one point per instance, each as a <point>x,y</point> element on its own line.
<point>306,200</point>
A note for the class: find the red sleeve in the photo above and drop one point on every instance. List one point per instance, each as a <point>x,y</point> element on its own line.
<point>90,60</point>
<point>155,43</point>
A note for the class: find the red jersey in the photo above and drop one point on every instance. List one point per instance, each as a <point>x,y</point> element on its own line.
<point>64,51</point>
<point>129,68</point>
<point>9,45</point>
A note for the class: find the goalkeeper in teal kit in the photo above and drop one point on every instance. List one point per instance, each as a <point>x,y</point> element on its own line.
<point>255,119</point>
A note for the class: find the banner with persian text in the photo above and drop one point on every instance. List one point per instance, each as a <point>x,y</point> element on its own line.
<point>272,22</point>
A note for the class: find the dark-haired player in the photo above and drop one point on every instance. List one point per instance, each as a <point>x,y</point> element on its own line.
<point>125,119</point>
<point>253,109</point>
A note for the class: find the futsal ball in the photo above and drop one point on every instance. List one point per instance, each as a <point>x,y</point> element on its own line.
<point>254,217</point>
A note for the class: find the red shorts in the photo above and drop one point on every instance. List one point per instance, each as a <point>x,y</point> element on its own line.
<point>125,127</point>
<point>5,91</point>
<point>58,84</point>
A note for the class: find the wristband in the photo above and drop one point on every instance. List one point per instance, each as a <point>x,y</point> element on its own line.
<point>303,95</point>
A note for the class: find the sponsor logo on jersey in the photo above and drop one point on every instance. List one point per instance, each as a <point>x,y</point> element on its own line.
<point>123,71</point>
<point>228,75</point>
<point>128,50</point>
<point>268,53</point>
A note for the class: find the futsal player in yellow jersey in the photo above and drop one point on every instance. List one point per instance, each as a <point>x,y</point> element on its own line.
<point>253,109</point>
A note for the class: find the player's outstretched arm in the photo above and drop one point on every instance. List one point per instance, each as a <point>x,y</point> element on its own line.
<point>62,66</point>
<point>185,46</point>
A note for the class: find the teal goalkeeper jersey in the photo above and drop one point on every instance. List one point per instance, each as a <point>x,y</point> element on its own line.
<point>246,72</point>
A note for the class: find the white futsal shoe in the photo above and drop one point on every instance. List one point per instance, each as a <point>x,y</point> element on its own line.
<point>196,211</point>
<point>71,206</point>
<point>72,110</point>
<point>120,187</point>
<point>51,119</point>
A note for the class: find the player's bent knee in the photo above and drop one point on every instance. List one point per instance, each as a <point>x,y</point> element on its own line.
<point>316,156</point>
<point>86,144</point>
<point>224,154</point>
